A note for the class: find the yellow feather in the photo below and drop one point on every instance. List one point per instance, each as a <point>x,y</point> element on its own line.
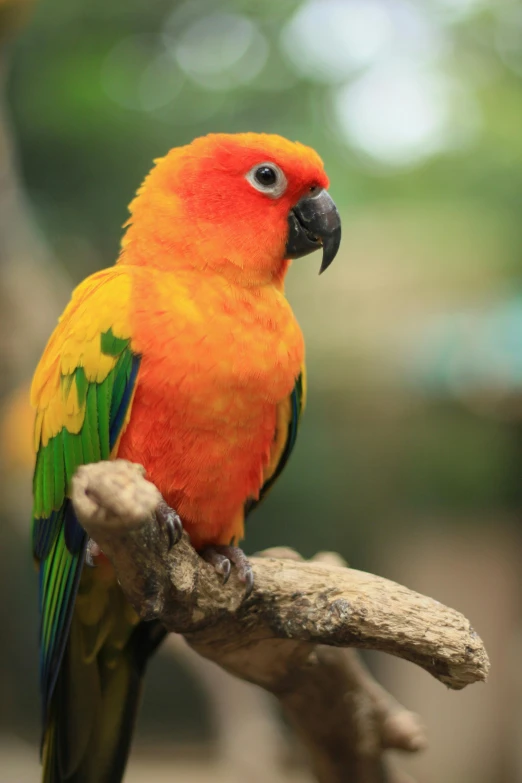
<point>284,414</point>
<point>72,405</point>
<point>76,343</point>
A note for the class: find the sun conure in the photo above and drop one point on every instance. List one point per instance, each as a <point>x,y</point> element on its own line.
<point>184,357</point>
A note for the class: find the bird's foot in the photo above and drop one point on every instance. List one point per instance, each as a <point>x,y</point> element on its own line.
<point>92,550</point>
<point>169,519</point>
<point>223,557</point>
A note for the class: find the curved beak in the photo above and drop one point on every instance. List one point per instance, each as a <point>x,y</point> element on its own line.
<point>314,222</point>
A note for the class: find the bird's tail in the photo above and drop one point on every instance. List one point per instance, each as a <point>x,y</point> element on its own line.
<point>94,705</point>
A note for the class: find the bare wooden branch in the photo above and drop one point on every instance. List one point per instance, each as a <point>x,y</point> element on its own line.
<point>305,601</point>
<point>284,636</point>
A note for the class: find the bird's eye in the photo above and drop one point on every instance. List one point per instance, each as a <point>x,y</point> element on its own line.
<point>267,178</point>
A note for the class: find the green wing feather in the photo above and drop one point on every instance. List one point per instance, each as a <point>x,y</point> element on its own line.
<point>58,539</point>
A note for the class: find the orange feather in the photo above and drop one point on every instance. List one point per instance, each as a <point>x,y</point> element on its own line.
<point>220,345</point>
<point>215,367</point>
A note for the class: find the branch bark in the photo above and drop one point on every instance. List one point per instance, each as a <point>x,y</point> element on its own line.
<point>276,638</point>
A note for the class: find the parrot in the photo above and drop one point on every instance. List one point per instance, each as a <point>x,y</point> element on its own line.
<point>185,357</point>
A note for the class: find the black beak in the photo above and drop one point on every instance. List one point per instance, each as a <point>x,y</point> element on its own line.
<point>314,222</point>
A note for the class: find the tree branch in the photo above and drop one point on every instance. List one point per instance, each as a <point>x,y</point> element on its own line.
<point>275,638</point>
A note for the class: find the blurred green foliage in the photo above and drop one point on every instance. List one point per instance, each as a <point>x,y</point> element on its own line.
<point>87,135</point>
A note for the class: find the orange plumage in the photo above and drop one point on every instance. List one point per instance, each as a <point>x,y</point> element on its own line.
<point>221,347</point>
<point>184,357</point>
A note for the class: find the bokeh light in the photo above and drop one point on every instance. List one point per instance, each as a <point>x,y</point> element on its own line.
<point>221,51</point>
<point>400,113</point>
<point>327,40</point>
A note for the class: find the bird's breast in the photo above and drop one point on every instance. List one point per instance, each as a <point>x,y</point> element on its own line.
<point>215,364</point>
<point>207,341</point>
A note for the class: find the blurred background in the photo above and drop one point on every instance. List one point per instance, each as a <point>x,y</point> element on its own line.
<point>409,460</point>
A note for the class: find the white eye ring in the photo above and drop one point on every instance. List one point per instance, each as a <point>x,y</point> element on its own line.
<point>275,181</point>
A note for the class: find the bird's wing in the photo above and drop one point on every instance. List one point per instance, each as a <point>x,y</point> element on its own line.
<point>82,392</point>
<point>287,425</point>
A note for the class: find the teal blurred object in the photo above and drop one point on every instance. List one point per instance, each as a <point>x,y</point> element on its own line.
<point>470,351</point>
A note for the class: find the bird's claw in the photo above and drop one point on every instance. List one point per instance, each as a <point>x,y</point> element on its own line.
<point>223,557</point>
<point>92,550</point>
<point>221,563</point>
<point>170,520</point>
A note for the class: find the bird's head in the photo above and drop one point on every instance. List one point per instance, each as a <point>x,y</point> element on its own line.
<point>240,205</point>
